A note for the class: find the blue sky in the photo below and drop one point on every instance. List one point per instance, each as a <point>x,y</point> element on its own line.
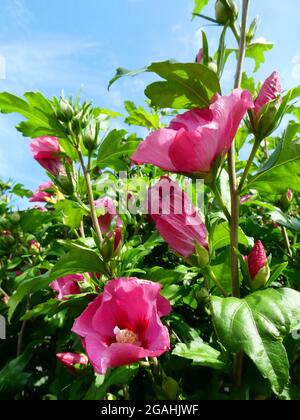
<point>77,45</point>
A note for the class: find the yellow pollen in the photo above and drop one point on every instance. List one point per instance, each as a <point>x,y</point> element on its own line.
<point>126,337</point>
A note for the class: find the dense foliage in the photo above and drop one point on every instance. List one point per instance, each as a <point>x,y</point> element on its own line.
<point>232,332</point>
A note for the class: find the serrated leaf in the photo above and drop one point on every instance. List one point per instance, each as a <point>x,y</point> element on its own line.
<point>257,326</point>
<point>38,111</point>
<point>114,149</point>
<point>282,170</point>
<point>186,85</point>
<point>257,51</point>
<point>140,117</point>
<point>71,212</point>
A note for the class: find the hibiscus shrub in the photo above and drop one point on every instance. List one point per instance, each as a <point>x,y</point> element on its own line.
<point>165,267</point>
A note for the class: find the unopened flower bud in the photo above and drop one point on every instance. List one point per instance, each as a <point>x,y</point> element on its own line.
<point>65,185</point>
<point>226,11</point>
<point>202,256</point>
<point>65,111</point>
<point>287,199</point>
<point>90,136</point>
<point>258,267</point>
<point>75,363</point>
<point>34,247</point>
<point>15,218</point>
<point>202,296</point>
<point>213,66</point>
<point>170,388</point>
<point>252,30</point>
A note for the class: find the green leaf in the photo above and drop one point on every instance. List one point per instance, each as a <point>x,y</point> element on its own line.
<point>186,85</point>
<point>72,213</point>
<point>121,72</point>
<point>276,271</point>
<point>205,49</point>
<point>120,376</point>
<point>79,260</point>
<point>114,149</point>
<point>12,376</point>
<point>257,326</point>
<point>222,52</point>
<point>20,191</point>
<point>221,237</point>
<point>221,269</point>
<point>140,117</point>
<point>282,170</point>
<point>201,354</point>
<point>38,111</point>
<point>198,6</point>
<point>257,51</point>
<point>284,219</point>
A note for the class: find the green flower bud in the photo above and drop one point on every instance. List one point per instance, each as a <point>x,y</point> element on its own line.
<point>286,199</point>
<point>261,278</point>
<point>252,30</point>
<point>226,11</point>
<point>65,111</point>
<point>267,119</point>
<point>170,388</point>
<point>65,184</point>
<point>201,257</point>
<point>90,137</point>
<point>213,66</point>
<point>15,218</point>
<point>202,296</point>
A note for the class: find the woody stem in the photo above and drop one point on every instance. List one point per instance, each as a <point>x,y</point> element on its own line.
<point>235,195</point>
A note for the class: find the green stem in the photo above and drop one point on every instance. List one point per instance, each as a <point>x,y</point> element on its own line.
<point>286,241</point>
<point>23,328</point>
<point>211,275</point>
<point>249,164</point>
<point>81,229</point>
<point>87,176</point>
<point>220,200</point>
<point>235,32</point>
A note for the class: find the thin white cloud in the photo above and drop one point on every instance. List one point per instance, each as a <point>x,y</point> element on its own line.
<point>18,11</point>
<point>47,62</point>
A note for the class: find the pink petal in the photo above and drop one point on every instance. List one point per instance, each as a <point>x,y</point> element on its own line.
<point>270,90</point>
<point>155,149</point>
<point>176,218</point>
<point>196,147</point>
<point>96,348</point>
<point>199,58</point>
<point>125,354</point>
<point>65,287</point>
<point>257,259</point>
<point>83,325</point>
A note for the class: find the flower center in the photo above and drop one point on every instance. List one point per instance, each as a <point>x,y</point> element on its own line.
<point>126,337</point>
